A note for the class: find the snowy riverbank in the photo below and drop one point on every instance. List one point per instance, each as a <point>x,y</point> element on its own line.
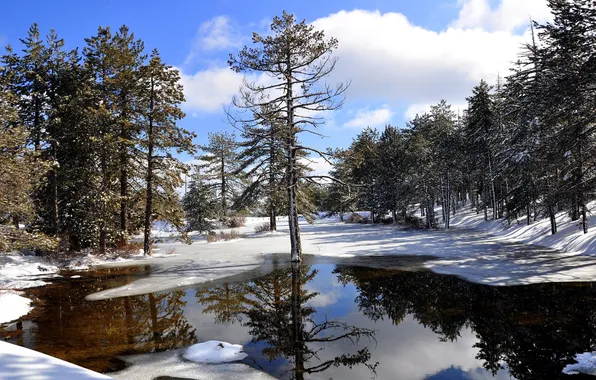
<point>569,237</point>
<point>487,252</point>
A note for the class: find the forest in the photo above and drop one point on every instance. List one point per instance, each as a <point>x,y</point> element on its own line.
<point>89,141</point>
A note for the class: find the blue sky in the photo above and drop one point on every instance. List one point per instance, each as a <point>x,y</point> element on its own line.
<point>401,56</point>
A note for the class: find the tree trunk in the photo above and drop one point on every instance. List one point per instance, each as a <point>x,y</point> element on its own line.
<point>272,209</point>
<point>54,189</point>
<point>224,206</point>
<point>584,219</point>
<point>295,244</point>
<point>149,180</point>
<point>123,196</point>
<point>272,218</point>
<point>154,324</point>
<point>297,329</point>
<point>123,172</point>
<point>553,221</point>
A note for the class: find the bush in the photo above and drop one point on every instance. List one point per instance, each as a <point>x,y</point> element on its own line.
<point>264,227</point>
<point>236,221</point>
<point>214,237</point>
<point>387,220</point>
<point>355,218</point>
<point>413,222</point>
<point>129,248</point>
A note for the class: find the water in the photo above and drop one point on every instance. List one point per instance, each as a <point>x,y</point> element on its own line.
<point>325,320</point>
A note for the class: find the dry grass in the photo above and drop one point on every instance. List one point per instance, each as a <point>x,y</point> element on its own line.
<point>264,227</point>
<point>236,221</point>
<point>225,236</point>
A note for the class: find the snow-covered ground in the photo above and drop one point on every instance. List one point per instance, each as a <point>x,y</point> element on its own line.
<point>569,237</point>
<point>214,351</point>
<point>170,365</point>
<point>473,254</point>
<point>17,363</point>
<point>483,252</point>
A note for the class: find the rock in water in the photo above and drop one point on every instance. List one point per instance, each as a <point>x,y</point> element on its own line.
<point>214,351</point>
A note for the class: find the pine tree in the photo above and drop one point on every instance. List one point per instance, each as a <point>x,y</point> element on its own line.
<point>19,175</point>
<point>32,78</point>
<point>297,58</point>
<point>262,157</point>
<point>99,61</point>
<point>162,96</point>
<point>222,167</point>
<point>128,59</point>
<point>200,204</point>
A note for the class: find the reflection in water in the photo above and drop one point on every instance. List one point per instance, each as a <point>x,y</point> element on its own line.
<point>277,314</point>
<point>535,330</point>
<point>326,321</point>
<point>93,334</point>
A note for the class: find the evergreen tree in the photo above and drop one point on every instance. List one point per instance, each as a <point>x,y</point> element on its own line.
<point>200,204</point>
<point>222,167</point>
<point>162,95</point>
<point>19,176</point>
<point>262,157</point>
<point>128,59</point>
<point>297,58</point>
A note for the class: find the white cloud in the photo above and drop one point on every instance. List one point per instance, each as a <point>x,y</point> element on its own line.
<point>507,16</point>
<point>370,118</point>
<point>211,89</point>
<point>215,34</point>
<point>318,165</point>
<point>390,59</point>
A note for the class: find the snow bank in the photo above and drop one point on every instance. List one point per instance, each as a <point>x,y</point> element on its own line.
<point>89,260</point>
<point>169,364</point>
<point>214,351</point>
<point>18,362</point>
<point>586,364</point>
<point>20,272</point>
<point>569,238</point>
<point>13,306</point>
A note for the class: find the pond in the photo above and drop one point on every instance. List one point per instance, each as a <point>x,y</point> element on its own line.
<point>322,320</point>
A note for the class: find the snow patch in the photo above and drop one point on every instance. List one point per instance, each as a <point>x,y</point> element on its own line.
<point>13,306</point>
<point>20,272</point>
<point>569,236</point>
<point>214,351</point>
<point>586,364</point>
<point>169,364</point>
<point>18,362</point>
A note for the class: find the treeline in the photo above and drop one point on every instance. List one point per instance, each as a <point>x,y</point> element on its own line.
<point>236,177</point>
<point>86,139</point>
<point>524,148</point>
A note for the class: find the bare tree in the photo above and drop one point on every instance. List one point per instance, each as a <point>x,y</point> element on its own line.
<point>294,58</point>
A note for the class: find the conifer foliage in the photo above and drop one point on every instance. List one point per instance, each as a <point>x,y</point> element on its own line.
<point>296,58</point>
<point>102,126</point>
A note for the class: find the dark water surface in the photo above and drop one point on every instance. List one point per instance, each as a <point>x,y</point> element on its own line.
<point>324,321</point>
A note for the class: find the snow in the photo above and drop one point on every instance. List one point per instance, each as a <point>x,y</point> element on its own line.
<point>569,236</point>
<point>478,251</point>
<point>13,306</point>
<point>170,364</point>
<point>23,271</point>
<point>586,364</point>
<point>214,351</point>
<point>18,363</point>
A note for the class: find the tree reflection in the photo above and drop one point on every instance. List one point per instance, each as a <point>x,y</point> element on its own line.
<point>278,313</point>
<point>536,330</point>
<point>93,333</point>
